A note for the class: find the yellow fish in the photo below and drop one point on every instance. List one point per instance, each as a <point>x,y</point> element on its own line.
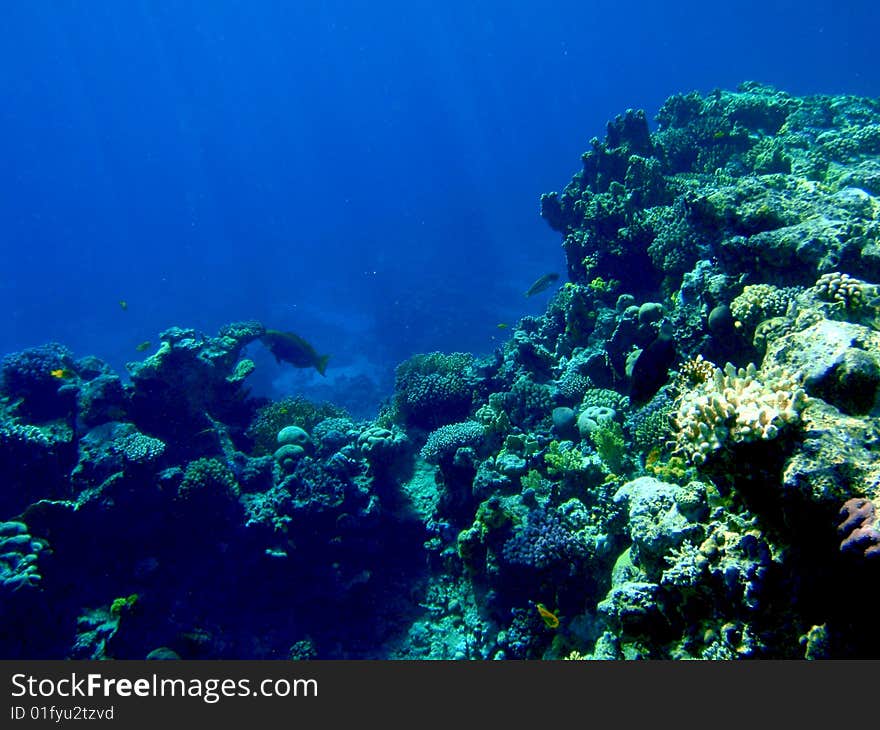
<point>145,345</point>
<point>123,304</point>
<point>60,373</point>
<point>551,619</point>
<point>502,326</point>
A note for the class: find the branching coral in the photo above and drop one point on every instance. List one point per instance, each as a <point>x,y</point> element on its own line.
<point>845,290</point>
<point>759,302</point>
<point>736,406</point>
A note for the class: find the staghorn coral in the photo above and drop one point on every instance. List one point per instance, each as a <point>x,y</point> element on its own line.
<point>736,406</point>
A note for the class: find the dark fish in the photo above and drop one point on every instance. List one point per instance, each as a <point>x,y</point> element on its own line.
<point>294,350</point>
<point>542,284</point>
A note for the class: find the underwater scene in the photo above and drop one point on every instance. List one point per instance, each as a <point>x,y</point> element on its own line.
<point>484,332</point>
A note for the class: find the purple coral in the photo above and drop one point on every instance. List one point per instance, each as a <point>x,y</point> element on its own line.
<point>544,541</point>
<point>858,528</point>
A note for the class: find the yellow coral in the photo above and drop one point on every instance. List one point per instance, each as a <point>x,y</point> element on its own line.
<point>695,371</point>
<point>845,290</point>
<point>737,406</point>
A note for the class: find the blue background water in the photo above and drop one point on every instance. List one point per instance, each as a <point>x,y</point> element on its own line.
<point>366,174</point>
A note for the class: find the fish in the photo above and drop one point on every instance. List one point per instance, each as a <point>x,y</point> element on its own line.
<point>502,326</point>
<point>551,618</point>
<point>542,284</point>
<point>294,350</point>
<point>123,305</point>
<point>61,373</point>
<point>145,345</point>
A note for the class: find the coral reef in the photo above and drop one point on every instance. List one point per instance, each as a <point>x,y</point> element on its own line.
<point>599,487</point>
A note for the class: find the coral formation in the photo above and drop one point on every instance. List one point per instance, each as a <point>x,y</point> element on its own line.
<point>859,528</point>
<point>596,488</point>
<point>735,406</point>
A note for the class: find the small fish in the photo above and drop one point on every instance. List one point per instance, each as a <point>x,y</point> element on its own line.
<point>123,305</point>
<point>502,326</point>
<point>145,345</point>
<point>551,619</point>
<point>61,373</point>
<point>542,284</point>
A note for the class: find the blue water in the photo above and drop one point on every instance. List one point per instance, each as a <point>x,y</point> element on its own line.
<point>366,174</point>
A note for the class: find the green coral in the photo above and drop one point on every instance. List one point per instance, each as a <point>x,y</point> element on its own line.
<point>207,478</point>
<point>600,286</point>
<point>675,469</point>
<point>845,291</point>
<point>124,605</point>
<point>137,448</point>
<point>434,389</point>
<point>605,398</point>
<point>533,480</point>
<point>561,460</point>
<point>759,302</point>
<point>610,444</point>
<point>493,416</point>
<point>443,442</point>
<point>492,515</point>
<point>651,426</point>
<point>294,411</point>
